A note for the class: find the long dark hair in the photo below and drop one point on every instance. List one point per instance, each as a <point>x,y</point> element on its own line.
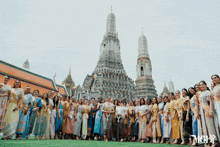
<point>47,99</point>
<point>155,99</point>
<point>37,91</point>
<point>167,99</point>
<point>207,88</point>
<point>191,95</point>
<point>19,83</point>
<point>55,102</point>
<point>143,101</point>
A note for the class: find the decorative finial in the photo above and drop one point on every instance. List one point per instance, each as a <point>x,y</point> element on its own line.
<point>142,31</point>
<point>111,9</point>
<point>70,70</point>
<point>164,84</point>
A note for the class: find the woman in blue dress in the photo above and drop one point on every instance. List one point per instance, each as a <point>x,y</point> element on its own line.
<point>59,116</point>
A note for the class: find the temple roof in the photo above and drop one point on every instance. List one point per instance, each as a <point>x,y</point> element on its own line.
<point>26,76</point>
<point>165,91</point>
<point>62,89</point>
<point>69,81</point>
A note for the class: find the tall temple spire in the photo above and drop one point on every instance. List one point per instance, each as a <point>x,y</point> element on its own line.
<point>142,31</point>
<point>171,86</point>
<point>109,77</point>
<point>111,9</point>
<point>144,82</point>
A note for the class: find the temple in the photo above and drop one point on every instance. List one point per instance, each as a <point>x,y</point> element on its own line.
<point>144,83</point>
<point>165,91</point>
<point>27,78</point>
<point>109,78</point>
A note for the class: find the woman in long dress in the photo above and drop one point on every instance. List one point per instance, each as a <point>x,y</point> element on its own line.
<point>149,130</point>
<point>135,131</point>
<point>143,110</point>
<point>24,113</point>
<point>194,114</point>
<point>34,111</point>
<point>15,103</point>
<point>91,118</point>
<point>108,110</point>
<point>207,113</point>
<point>187,118</point>
<point>41,122</point>
<point>66,105</point>
<point>166,121</point>
<point>178,105</point>
<point>5,90</point>
<point>78,122</point>
<point>216,97</point>
<point>120,117</point>
<point>85,117</point>
<point>59,117</point>
<point>156,120</point>
<point>98,117</point>
<point>71,118</point>
<point>174,118</point>
<point>131,118</point>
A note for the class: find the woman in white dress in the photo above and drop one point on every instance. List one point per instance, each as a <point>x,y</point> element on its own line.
<point>15,102</point>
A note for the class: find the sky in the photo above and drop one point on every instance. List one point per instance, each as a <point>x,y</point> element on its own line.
<point>183,37</point>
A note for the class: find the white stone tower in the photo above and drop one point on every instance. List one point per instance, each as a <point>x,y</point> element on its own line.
<point>144,82</point>
<point>109,77</point>
<point>171,86</point>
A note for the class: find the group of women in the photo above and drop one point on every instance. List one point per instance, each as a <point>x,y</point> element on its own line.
<point>191,118</point>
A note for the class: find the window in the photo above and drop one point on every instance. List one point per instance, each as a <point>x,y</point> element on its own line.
<point>142,71</point>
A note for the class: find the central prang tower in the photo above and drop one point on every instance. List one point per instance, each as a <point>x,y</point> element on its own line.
<point>109,77</point>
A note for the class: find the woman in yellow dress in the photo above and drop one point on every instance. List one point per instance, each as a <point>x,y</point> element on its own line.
<point>66,105</point>
<point>15,102</point>
<point>174,118</point>
<point>85,111</point>
<point>156,120</point>
<point>178,105</point>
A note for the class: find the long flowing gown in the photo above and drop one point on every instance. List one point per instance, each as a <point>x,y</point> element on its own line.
<point>194,120</point>
<point>149,130</point>
<point>187,125</point>
<point>59,122</point>
<point>12,117</point>
<point>41,121</point>
<point>52,117</point>
<point>78,122</point>
<point>66,106</point>
<point>208,124</point>
<point>161,106</point>
<point>179,108</point>
<point>107,119</point>
<point>120,122</point>
<point>29,100</point>
<point>33,114</point>
<point>142,121</point>
<point>4,91</point>
<point>166,125</point>
<point>23,117</point>
<point>85,117</point>
<point>156,122</point>
<point>174,120</point>
<point>131,120</point>
<point>216,96</point>
<point>98,118</point>
<point>135,131</point>
<point>91,121</point>
<point>70,121</point>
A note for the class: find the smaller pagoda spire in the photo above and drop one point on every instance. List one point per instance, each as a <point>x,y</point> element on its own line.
<point>142,31</point>
<point>111,9</point>
<point>70,70</point>
<point>26,64</point>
